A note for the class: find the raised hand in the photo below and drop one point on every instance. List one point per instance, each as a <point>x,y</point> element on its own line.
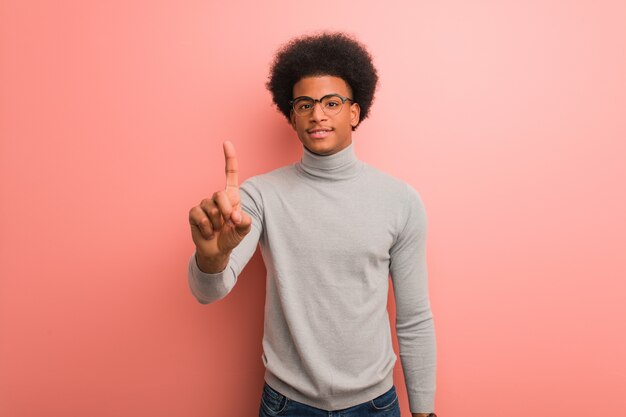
<point>218,224</point>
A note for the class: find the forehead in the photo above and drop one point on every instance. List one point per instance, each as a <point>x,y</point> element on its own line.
<point>318,86</point>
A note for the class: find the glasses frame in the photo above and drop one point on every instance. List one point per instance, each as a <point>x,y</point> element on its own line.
<point>315,101</point>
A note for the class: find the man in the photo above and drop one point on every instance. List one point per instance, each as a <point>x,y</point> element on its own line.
<point>331,230</point>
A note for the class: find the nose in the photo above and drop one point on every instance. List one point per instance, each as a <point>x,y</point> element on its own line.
<point>317,113</point>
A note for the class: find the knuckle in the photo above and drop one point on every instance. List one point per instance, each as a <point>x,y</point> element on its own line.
<point>204,206</point>
<point>194,213</point>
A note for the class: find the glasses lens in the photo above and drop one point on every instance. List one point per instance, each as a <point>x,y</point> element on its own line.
<point>332,105</point>
<point>303,105</point>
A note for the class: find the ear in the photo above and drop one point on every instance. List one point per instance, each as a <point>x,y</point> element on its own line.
<point>355,113</point>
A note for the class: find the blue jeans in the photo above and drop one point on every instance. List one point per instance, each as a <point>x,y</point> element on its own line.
<point>273,403</point>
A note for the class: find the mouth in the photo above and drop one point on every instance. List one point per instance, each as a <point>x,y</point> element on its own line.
<point>319,133</point>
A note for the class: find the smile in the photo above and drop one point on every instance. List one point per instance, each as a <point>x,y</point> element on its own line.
<point>319,134</point>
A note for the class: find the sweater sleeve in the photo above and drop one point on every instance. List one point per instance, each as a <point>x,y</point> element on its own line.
<point>208,288</point>
<point>414,320</point>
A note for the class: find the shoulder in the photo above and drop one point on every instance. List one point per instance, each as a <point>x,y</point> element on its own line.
<point>269,179</point>
<point>392,186</point>
<point>410,211</point>
<point>266,184</point>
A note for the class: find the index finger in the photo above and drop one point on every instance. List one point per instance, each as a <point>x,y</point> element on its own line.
<point>232,169</point>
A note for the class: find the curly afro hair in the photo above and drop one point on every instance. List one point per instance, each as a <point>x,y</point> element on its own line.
<point>327,53</point>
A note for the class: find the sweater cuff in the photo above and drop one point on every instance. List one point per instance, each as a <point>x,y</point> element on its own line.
<point>207,287</point>
<point>203,274</point>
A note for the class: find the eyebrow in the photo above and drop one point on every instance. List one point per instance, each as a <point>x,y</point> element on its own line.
<point>321,98</point>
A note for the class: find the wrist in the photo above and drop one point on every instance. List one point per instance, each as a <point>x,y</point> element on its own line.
<point>212,265</point>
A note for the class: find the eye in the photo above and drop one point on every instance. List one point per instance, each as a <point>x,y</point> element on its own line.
<point>332,102</point>
<point>303,105</point>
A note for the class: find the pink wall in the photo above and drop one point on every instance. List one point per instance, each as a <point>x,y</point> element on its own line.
<point>508,117</point>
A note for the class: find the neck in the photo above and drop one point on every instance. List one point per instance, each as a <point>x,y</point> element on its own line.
<point>342,165</point>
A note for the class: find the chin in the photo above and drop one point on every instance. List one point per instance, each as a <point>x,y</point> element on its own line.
<point>316,150</point>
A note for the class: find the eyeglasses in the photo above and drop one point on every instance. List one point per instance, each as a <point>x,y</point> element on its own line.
<point>331,104</point>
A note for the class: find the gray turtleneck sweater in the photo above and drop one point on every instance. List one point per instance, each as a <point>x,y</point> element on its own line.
<point>331,230</point>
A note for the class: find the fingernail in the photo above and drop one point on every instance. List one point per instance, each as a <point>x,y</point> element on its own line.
<point>237,217</point>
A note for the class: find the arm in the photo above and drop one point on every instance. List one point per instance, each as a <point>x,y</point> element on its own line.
<point>414,320</point>
<point>211,287</point>
<point>225,229</point>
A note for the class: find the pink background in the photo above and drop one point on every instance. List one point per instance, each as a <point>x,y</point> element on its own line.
<point>508,117</point>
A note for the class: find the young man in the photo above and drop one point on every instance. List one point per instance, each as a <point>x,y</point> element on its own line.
<point>331,229</point>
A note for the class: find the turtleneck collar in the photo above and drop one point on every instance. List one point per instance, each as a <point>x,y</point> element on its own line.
<point>342,165</point>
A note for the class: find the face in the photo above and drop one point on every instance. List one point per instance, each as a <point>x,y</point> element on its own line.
<point>337,129</point>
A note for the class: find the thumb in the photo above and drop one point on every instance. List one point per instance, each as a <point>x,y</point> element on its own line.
<point>242,222</point>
